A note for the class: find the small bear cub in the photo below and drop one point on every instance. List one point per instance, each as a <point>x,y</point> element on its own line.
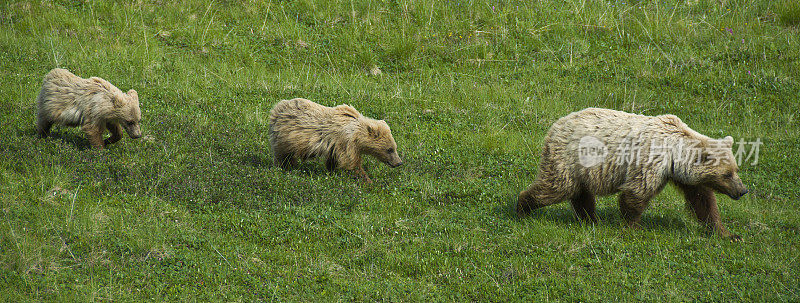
<point>93,104</point>
<point>300,130</point>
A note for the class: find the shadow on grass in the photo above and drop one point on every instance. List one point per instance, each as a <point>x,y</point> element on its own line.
<point>563,214</point>
<point>256,160</point>
<point>307,168</point>
<point>78,140</point>
<point>310,168</point>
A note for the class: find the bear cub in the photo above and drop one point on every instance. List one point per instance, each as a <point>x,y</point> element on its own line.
<point>300,130</point>
<point>93,104</point>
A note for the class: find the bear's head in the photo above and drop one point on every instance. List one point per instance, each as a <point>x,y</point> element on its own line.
<point>377,140</point>
<point>128,113</point>
<point>717,168</point>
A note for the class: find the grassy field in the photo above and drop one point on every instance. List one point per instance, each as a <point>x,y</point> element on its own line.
<point>195,210</point>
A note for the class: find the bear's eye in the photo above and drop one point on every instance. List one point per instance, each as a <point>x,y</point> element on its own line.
<point>729,175</point>
<point>129,123</point>
<point>389,151</point>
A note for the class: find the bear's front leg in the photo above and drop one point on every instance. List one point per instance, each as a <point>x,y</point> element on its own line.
<point>632,206</point>
<point>94,132</point>
<point>350,160</point>
<point>363,174</point>
<point>584,206</point>
<point>43,126</point>
<point>116,133</point>
<point>358,169</point>
<point>703,203</point>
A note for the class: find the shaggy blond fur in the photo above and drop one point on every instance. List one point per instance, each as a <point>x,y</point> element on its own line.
<point>93,104</point>
<point>300,129</point>
<point>638,177</point>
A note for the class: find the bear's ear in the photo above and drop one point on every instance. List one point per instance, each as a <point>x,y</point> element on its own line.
<point>133,94</point>
<point>119,100</point>
<point>384,124</point>
<point>705,157</point>
<point>373,132</point>
<point>727,141</point>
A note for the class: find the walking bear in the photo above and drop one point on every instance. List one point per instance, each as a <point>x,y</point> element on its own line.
<point>300,129</point>
<point>93,104</point>
<point>600,152</point>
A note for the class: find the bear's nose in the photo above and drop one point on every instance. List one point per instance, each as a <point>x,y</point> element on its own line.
<point>398,164</point>
<point>740,194</point>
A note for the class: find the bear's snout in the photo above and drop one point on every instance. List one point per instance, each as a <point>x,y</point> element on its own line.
<point>737,192</point>
<point>135,135</point>
<point>133,131</point>
<point>393,160</point>
<point>740,194</point>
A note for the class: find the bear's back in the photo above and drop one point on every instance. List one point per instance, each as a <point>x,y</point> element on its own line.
<point>62,81</point>
<point>611,135</point>
<point>304,113</point>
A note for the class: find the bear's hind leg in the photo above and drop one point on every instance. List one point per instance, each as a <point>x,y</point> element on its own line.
<point>43,126</point>
<point>284,159</point>
<point>632,206</point>
<point>703,203</point>
<point>330,162</point>
<point>584,206</point>
<point>540,194</point>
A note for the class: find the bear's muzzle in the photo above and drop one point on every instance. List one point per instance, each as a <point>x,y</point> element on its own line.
<point>739,194</point>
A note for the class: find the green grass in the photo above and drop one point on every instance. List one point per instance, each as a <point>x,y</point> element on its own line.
<point>788,12</point>
<point>196,211</point>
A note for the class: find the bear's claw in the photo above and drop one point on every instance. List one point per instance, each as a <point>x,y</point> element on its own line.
<point>735,238</point>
